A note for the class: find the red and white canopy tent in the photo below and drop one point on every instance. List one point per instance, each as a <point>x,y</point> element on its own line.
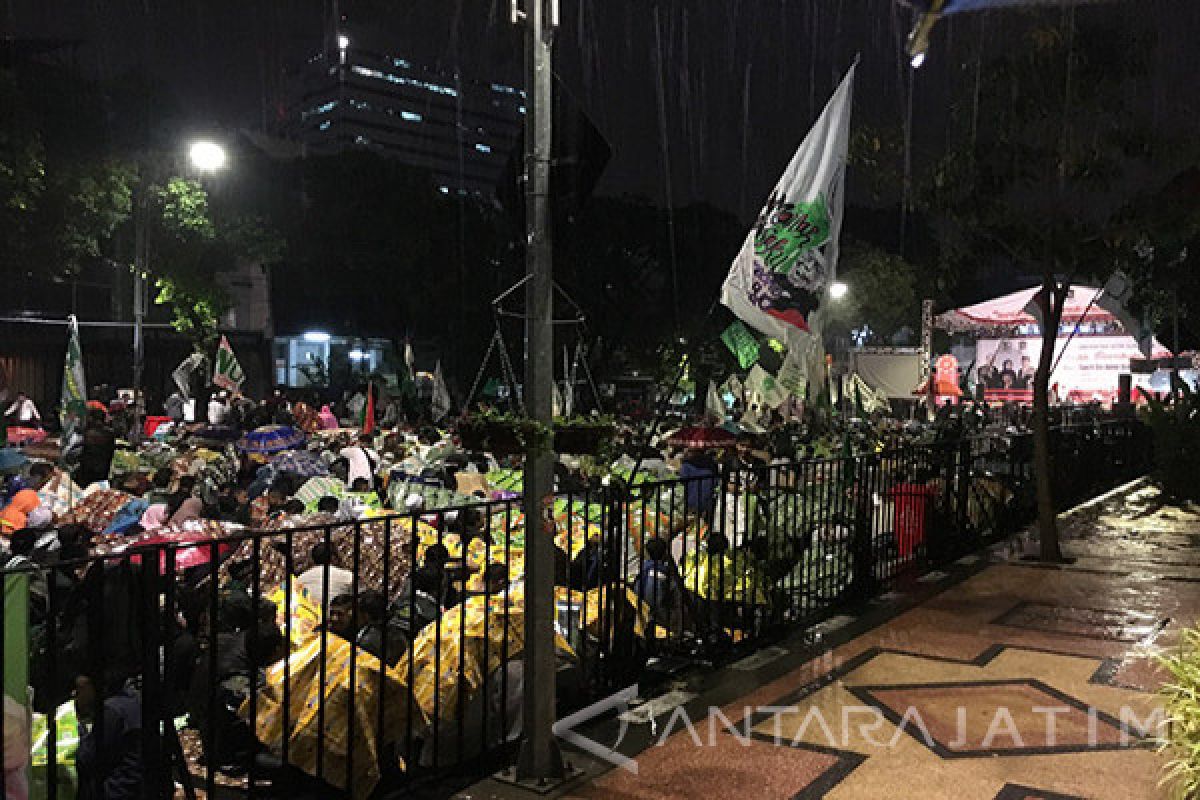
<point>1012,311</point>
<point>1087,364</point>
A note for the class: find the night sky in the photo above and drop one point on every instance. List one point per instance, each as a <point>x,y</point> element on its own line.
<point>734,84</point>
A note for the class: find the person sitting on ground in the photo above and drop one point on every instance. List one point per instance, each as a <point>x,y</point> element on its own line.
<point>362,460</point>
<point>383,638</point>
<point>293,507</point>
<point>109,758</point>
<point>658,584</point>
<point>322,575</point>
<point>36,478</point>
<point>328,505</point>
<point>417,604</point>
<point>99,444</point>
<point>700,470</point>
<point>432,573</point>
<point>495,578</point>
<point>340,619</point>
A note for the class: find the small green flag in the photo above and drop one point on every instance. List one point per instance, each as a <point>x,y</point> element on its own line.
<point>227,372</point>
<point>741,342</point>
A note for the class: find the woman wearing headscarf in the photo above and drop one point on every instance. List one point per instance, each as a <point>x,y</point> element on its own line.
<point>328,420</point>
<point>15,515</point>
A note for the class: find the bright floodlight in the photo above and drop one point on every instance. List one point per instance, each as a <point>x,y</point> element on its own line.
<point>357,355</point>
<point>917,60</point>
<point>837,290</point>
<point>343,41</point>
<point>317,337</point>
<point>207,156</point>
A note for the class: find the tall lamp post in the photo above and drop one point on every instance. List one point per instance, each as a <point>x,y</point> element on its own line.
<point>204,156</point>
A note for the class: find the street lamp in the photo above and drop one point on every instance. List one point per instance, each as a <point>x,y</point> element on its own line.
<point>343,42</point>
<point>838,290</point>
<point>206,156</point>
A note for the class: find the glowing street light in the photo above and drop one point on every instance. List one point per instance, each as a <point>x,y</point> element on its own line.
<point>343,42</point>
<point>838,290</point>
<point>207,156</point>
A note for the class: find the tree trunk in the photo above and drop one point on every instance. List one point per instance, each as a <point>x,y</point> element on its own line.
<point>1050,300</point>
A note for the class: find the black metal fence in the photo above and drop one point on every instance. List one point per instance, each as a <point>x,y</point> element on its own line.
<point>349,659</point>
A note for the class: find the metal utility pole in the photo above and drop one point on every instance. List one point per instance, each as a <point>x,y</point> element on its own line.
<point>139,309</point>
<point>540,761</point>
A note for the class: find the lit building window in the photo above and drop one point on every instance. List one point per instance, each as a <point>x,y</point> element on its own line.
<point>521,109</point>
<point>483,148</point>
<point>444,189</point>
<point>324,108</point>
<point>410,116</point>
<point>390,78</point>
<point>360,139</point>
<point>324,126</point>
<point>400,62</point>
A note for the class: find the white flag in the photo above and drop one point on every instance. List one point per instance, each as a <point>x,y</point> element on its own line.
<point>556,402</point>
<point>733,386</point>
<point>714,404</point>
<point>1114,298</point>
<point>440,403</point>
<point>763,389</point>
<point>183,373</point>
<point>790,255</point>
<point>793,375</point>
<point>409,358</point>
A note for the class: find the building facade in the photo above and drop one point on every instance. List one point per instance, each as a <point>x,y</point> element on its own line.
<point>359,92</point>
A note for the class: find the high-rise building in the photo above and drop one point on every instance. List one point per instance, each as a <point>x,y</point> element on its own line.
<point>359,92</point>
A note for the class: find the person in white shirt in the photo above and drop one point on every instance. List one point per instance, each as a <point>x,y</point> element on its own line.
<point>313,579</point>
<point>24,411</point>
<point>362,461</point>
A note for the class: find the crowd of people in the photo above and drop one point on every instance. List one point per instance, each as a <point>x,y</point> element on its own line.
<point>358,545</point>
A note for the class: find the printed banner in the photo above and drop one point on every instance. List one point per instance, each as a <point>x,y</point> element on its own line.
<point>440,402</point>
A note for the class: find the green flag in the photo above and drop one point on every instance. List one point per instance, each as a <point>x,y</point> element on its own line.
<point>741,342</point>
<point>72,408</point>
<point>227,372</point>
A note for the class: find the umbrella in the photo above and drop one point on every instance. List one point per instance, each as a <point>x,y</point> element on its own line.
<point>317,487</point>
<point>701,436</point>
<point>304,463</point>
<point>271,439</point>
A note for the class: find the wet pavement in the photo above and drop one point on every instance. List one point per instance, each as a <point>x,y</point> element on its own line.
<point>1007,680</point>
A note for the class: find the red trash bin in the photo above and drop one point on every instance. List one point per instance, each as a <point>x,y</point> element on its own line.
<point>912,514</point>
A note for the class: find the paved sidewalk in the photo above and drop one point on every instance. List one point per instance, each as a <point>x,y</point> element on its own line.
<point>1017,681</point>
